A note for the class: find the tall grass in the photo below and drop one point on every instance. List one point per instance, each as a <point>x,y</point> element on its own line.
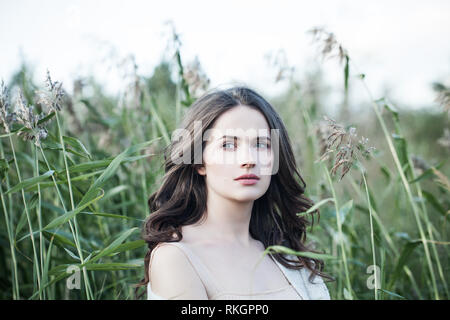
<point>76,171</point>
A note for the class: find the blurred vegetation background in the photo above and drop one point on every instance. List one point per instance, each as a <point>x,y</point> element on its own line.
<point>80,183</point>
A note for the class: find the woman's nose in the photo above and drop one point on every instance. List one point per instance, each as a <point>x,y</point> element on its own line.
<point>247,158</point>
<point>248,165</point>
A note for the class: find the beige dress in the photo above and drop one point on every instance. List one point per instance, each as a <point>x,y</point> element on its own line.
<point>216,292</point>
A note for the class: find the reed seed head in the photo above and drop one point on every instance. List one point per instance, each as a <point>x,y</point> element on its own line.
<point>279,60</point>
<point>7,117</point>
<point>197,80</point>
<point>52,98</point>
<point>441,179</point>
<point>25,116</point>
<point>329,46</point>
<point>443,95</point>
<point>347,145</point>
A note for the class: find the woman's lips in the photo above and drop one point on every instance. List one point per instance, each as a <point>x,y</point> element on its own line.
<point>247,182</point>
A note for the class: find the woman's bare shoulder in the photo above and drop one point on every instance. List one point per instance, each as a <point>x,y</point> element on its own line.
<point>172,276</point>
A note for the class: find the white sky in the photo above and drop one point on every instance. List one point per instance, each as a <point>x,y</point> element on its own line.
<point>403,45</point>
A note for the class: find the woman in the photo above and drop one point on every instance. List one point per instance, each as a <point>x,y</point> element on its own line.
<point>220,206</point>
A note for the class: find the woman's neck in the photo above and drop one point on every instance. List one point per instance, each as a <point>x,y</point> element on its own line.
<point>226,221</point>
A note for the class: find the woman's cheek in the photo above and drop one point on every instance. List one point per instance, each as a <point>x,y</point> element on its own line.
<point>266,164</point>
<point>230,158</point>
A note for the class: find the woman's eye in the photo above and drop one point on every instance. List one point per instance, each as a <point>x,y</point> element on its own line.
<point>264,145</point>
<point>227,143</point>
<point>258,145</point>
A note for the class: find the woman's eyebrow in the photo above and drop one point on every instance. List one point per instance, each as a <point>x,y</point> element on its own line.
<point>237,138</point>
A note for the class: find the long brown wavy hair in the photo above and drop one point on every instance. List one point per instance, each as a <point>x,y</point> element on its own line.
<point>181,199</point>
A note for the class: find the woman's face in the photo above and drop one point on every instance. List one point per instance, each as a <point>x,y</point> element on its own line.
<point>245,149</point>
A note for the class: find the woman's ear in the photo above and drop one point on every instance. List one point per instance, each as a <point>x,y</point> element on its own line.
<point>201,170</point>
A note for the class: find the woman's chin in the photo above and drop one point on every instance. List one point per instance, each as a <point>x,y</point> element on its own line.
<point>248,196</point>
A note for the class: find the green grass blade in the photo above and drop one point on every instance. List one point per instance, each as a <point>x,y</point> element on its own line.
<point>27,183</point>
<point>114,245</point>
<point>70,214</point>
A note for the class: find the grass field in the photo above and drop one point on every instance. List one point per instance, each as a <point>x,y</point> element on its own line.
<point>77,171</point>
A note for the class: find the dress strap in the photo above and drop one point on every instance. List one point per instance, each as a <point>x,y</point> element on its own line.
<point>202,270</point>
<point>292,277</point>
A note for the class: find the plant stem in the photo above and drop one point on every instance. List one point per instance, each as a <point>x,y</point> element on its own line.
<point>80,253</point>
<point>389,241</point>
<point>36,261</point>
<point>152,105</point>
<point>15,287</point>
<point>371,237</point>
<point>341,235</point>
<point>39,216</point>
<point>406,186</point>
<point>8,221</point>
<point>429,230</point>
